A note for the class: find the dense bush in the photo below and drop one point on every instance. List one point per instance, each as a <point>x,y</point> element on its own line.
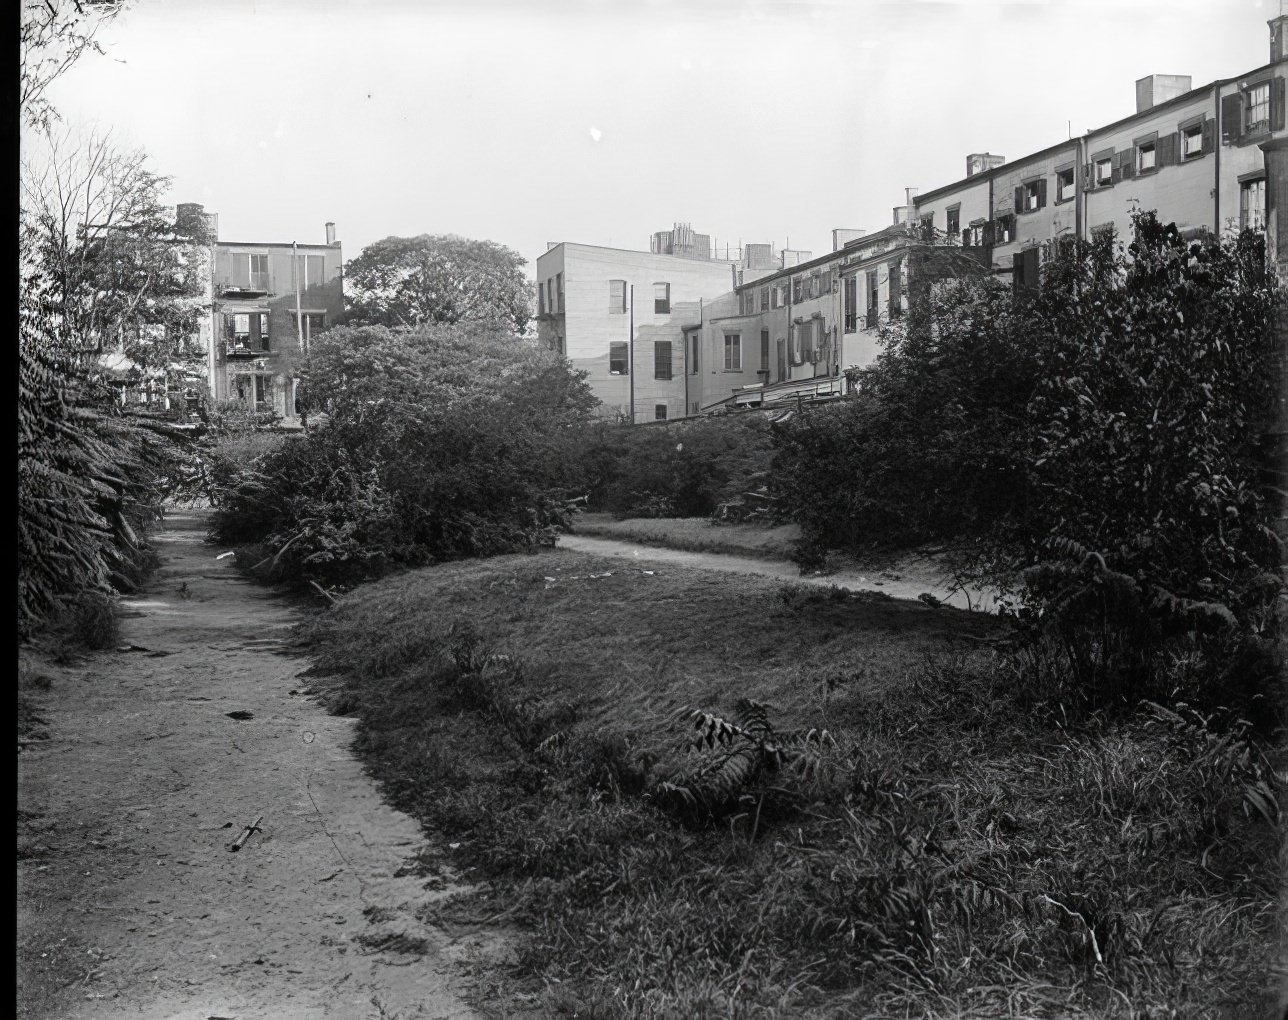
<point>680,470</point>
<point>1099,436</point>
<point>442,442</point>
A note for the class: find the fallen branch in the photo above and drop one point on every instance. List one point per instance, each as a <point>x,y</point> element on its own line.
<point>240,841</point>
<point>323,592</point>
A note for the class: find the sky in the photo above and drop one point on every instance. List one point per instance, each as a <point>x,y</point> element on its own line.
<point>602,122</point>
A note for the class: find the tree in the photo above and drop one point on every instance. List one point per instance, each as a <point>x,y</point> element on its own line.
<point>414,281</point>
<point>52,36</point>
<point>121,273</point>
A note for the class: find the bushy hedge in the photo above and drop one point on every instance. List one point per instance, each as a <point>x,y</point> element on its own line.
<point>441,443</point>
<point>1096,440</point>
<point>681,470</point>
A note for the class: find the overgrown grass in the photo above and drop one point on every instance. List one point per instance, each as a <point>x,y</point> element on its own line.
<point>697,534</point>
<point>955,850</point>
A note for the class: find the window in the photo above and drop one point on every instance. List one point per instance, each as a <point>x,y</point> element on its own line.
<point>1257,106</point>
<point>1252,204</point>
<point>661,298</point>
<point>617,359</point>
<point>1030,195</point>
<point>662,359</point>
<point>928,226</point>
<point>1146,157</point>
<point>261,324</point>
<point>253,388</point>
<point>896,289</point>
<point>815,285</point>
<point>873,299</point>
<point>693,358</point>
<point>559,290</point>
<point>733,352</point>
<point>803,349</point>
<point>617,297</point>
<point>1005,232</point>
<point>773,297</point>
<point>798,289</point>
<point>659,412</point>
<point>975,236</point>
<point>241,329</point>
<point>851,302</point>
<point>314,271</point>
<point>250,271</point>
<point>1064,189</point>
<point>764,351</point>
<point>764,299</point>
<point>1192,141</point>
<point>541,299</point>
<point>550,294</point>
<point>954,219</point>
<point>1104,171</point>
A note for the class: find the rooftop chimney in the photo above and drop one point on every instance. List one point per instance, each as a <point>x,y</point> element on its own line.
<point>1159,88</point>
<point>330,233</point>
<point>1278,28</point>
<point>841,236</point>
<point>979,162</point>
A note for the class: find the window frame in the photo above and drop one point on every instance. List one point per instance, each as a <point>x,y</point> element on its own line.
<point>1104,158</point>
<point>1251,126</point>
<point>1255,180</point>
<point>733,344</point>
<point>1061,195</point>
<point>1142,145</point>
<point>660,412</point>
<point>953,220</point>
<point>663,360</point>
<point>662,305</point>
<point>624,360</point>
<point>613,298</point>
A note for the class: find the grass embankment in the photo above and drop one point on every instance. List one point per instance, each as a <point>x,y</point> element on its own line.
<point>696,534</point>
<point>956,852</point>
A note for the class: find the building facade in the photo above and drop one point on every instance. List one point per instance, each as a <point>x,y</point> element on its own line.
<point>267,300</point>
<point>620,317</point>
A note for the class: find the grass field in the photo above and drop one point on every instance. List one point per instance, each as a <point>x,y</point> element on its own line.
<point>950,847</point>
<point>696,534</point>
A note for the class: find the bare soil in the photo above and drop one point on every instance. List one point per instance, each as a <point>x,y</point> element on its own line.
<point>130,901</point>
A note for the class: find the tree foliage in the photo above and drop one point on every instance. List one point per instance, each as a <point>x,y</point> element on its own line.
<point>429,279</point>
<point>442,442</point>
<point>1100,435</point>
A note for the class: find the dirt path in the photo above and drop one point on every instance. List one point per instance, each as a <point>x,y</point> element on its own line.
<point>130,903</point>
<point>907,580</point>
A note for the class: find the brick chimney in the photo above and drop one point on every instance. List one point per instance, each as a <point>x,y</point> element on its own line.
<point>1159,88</point>
<point>330,233</point>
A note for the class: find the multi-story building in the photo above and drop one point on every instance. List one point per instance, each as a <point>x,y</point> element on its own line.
<point>267,300</point>
<point>619,315</point>
<point>1193,154</point>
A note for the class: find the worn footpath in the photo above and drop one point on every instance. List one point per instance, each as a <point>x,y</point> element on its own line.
<point>159,757</point>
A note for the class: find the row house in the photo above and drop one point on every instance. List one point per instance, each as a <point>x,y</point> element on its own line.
<point>1197,155</point>
<point>268,299</point>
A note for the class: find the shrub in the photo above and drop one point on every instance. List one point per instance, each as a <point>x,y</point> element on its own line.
<point>685,469</point>
<point>1093,445</point>
<point>425,457</point>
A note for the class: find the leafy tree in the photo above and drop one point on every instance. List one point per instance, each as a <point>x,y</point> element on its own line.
<point>415,281</point>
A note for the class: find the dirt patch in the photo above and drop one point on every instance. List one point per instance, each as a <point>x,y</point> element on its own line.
<point>158,758</point>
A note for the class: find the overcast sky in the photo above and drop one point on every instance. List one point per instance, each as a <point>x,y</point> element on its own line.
<point>601,122</point>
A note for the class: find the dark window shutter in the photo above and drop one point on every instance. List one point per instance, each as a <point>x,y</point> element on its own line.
<point>1019,199</point>
<point>1277,105</point>
<point>1129,162</point>
<point>1232,117</point>
<point>230,326</point>
<point>1209,136</point>
<point>1088,176</point>
<point>1116,165</point>
<point>1168,150</point>
<point>1042,193</point>
<point>254,330</point>
<point>989,233</point>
